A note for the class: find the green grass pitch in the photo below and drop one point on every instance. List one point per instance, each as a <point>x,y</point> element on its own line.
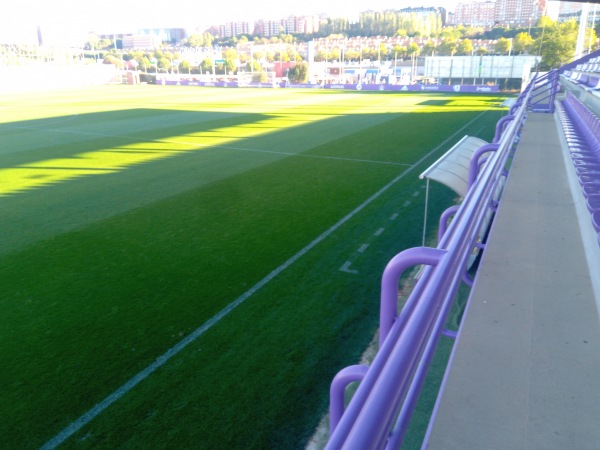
<point>132,215</point>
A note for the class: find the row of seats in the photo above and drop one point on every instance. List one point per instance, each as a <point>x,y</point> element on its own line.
<point>591,65</point>
<point>582,131</point>
<point>587,81</point>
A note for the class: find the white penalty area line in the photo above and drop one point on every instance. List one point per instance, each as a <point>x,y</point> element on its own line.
<point>302,155</point>
<point>91,414</point>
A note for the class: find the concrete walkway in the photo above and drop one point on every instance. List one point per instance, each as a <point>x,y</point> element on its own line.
<point>526,368</point>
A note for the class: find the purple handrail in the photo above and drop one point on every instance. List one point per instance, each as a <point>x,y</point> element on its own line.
<point>380,410</point>
<point>475,165</point>
<point>391,276</point>
<point>543,92</point>
<point>338,390</point>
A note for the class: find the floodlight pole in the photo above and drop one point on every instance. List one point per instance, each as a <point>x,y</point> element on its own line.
<point>592,27</point>
<point>583,22</point>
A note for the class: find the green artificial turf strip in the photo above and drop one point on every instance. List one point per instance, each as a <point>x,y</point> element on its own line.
<point>103,272</point>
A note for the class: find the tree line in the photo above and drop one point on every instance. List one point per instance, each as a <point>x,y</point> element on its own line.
<point>554,42</point>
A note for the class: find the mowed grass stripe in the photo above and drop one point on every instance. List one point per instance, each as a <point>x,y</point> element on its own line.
<point>87,199</point>
<point>131,283</point>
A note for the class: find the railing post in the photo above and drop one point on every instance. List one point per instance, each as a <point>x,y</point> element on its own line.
<point>338,390</point>
<point>501,126</point>
<point>391,276</point>
<point>444,220</point>
<point>474,167</point>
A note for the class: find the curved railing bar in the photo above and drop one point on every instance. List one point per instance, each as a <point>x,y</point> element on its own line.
<point>338,390</point>
<point>391,276</point>
<point>451,211</point>
<point>501,127</point>
<point>474,166</point>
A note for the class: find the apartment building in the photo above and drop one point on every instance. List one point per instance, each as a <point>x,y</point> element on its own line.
<point>231,29</point>
<point>519,12</point>
<point>476,13</point>
<point>504,12</point>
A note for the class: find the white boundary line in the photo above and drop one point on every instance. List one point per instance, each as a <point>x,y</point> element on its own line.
<point>302,155</point>
<point>91,414</point>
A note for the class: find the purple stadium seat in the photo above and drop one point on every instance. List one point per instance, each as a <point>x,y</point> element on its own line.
<point>587,167</point>
<point>590,189</point>
<point>583,79</point>
<point>593,203</point>
<point>596,220</point>
<point>589,178</point>
<point>590,169</point>
<point>593,82</point>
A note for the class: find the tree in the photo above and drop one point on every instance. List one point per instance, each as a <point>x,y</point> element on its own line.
<point>334,54</point>
<point>447,47</point>
<point>523,43</point>
<point>450,33</point>
<point>254,67</point>
<point>206,65</point>
<point>230,66</point>
<point>502,46</point>
<point>351,55</point>
<point>185,67</point>
<point>284,56</point>
<point>93,40</point>
<point>208,39</point>
<point>145,63</point>
<point>299,73</point>
<point>383,51</point>
<point>369,53</point>
<point>195,40</point>
<point>112,59</point>
<point>496,33</point>
<point>428,48</point>
<point>164,63</point>
<point>413,49</point>
<point>465,47</point>
<point>104,44</point>
<point>399,51</point>
<point>230,55</point>
<point>556,44</point>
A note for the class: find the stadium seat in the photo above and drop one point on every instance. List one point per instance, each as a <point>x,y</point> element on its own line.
<point>596,220</point>
<point>593,83</point>
<point>593,203</point>
<point>581,129</point>
<point>589,189</point>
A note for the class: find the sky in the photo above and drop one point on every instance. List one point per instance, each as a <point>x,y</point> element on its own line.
<point>71,20</point>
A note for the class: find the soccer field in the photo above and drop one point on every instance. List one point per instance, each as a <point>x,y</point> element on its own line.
<point>190,267</point>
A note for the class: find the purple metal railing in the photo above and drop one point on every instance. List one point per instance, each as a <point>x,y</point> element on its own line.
<point>380,410</point>
<point>544,89</point>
